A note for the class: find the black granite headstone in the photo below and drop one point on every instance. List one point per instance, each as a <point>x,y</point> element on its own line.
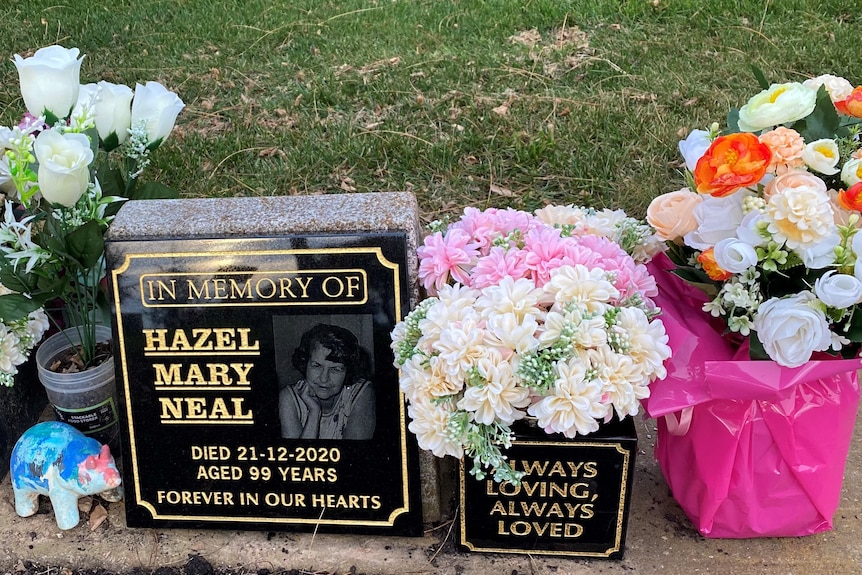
<point>573,500</point>
<point>212,384</point>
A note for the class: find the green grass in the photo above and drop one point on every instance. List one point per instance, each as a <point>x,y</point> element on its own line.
<point>435,96</point>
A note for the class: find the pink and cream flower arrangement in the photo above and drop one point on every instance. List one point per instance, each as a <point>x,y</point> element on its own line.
<point>768,225</point>
<point>545,315</point>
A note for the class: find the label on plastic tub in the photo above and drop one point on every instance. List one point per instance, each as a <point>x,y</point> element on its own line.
<point>89,419</point>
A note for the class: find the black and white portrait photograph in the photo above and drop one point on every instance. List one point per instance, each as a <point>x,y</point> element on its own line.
<point>325,389</point>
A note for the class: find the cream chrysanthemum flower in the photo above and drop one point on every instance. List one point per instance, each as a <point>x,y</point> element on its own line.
<point>506,330</point>
<point>575,405</point>
<point>581,285</point>
<point>500,397</point>
<point>10,355</point>
<point>430,424</point>
<point>624,382</point>
<point>800,217</point>
<point>646,341</point>
<point>562,215</point>
<point>459,347</point>
<point>520,297</point>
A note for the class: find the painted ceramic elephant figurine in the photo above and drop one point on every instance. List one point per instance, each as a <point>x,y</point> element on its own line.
<point>57,460</point>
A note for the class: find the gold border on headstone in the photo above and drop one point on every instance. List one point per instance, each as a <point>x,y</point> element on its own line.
<point>573,553</point>
<point>405,503</point>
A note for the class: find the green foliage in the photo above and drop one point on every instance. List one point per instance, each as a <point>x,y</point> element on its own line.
<point>321,97</point>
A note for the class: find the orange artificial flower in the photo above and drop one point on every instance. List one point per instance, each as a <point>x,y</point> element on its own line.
<point>852,104</point>
<point>711,267</point>
<point>851,198</point>
<point>731,162</point>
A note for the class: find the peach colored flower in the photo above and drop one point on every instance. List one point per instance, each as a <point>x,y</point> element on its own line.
<point>672,214</point>
<point>791,180</point>
<point>801,216</point>
<point>786,146</point>
<point>857,155</point>
<point>731,162</point>
<point>711,267</point>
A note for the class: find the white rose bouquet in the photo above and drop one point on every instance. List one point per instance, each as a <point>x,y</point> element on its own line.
<point>76,153</point>
<point>543,315</point>
<point>769,223</point>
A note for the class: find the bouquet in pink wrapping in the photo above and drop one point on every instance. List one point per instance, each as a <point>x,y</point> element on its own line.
<point>761,302</point>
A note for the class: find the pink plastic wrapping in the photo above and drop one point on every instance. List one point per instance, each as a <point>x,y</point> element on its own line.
<point>748,448</point>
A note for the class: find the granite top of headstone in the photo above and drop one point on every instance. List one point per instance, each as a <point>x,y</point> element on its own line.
<point>276,215</point>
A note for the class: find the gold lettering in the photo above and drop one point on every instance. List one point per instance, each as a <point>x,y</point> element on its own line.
<point>326,287</point>
<point>219,288</point>
<point>272,288</point>
<point>558,469</point>
<point>203,293</point>
<point>163,288</point>
<point>590,469</point>
<point>238,293</point>
<point>202,342</point>
<point>352,285</point>
<point>243,340</point>
<point>304,286</point>
<point>155,339</point>
<point>167,376</point>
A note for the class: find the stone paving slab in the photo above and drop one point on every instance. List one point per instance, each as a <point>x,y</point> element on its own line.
<point>660,541</point>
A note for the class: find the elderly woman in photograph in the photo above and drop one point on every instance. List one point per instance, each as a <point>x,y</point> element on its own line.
<point>332,401</point>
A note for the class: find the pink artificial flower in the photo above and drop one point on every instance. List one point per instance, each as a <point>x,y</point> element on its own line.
<point>481,225</point>
<point>498,264</point>
<point>546,251</point>
<point>442,257</point>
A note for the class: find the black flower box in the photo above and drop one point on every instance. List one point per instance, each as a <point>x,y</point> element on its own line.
<point>573,500</point>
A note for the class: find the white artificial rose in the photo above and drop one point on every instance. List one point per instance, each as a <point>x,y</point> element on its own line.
<point>821,254</point>
<point>112,109</point>
<point>50,80</point>
<point>717,219</point>
<point>837,87</point>
<point>856,246</point>
<point>838,290</point>
<point>693,147</point>
<point>734,255</point>
<point>64,161</point>
<point>748,229</point>
<point>851,173</point>
<point>822,156</point>
<point>792,328</point>
<point>780,104</point>
<point>157,109</point>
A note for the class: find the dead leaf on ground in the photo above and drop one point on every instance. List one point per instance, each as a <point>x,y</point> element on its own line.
<point>347,185</point>
<point>97,516</point>
<point>500,191</point>
<point>270,152</point>
<point>528,38</point>
<point>501,110</point>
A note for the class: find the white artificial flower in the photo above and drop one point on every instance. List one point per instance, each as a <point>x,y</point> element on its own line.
<point>821,254</point>
<point>430,423</point>
<point>779,104</point>
<point>508,331</point>
<point>800,216</point>
<point>500,398</point>
<point>575,404</point>
<point>717,219</point>
<point>64,161</point>
<point>581,285</point>
<point>112,110</point>
<point>851,173</point>
<point>837,87</point>
<point>647,340</point>
<point>50,80</point>
<point>792,328</point>
<point>734,255</point>
<point>157,109</point>
<point>749,229</point>
<point>693,147</point>
<point>520,297</point>
<point>562,215</point>
<point>856,246</point>
<point>624,382</point>
<point>838,290</point>
<point>604,222</point>
<point>459,347</point>
<point>822,156</point>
